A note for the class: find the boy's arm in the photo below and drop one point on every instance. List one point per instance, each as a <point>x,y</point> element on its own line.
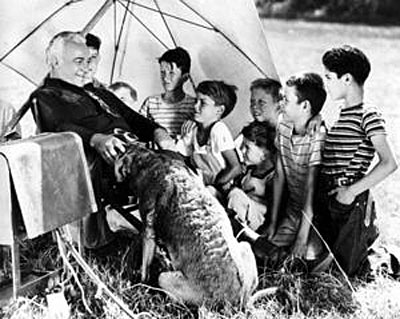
<point>386,165</point>
<point>279,183</point>
<point>232,169</point>
<point>300,245</point>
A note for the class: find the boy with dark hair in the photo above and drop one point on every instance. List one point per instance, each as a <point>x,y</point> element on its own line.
<point>347,211</point>
<point>208,140</point>
<point>250,201</point>
<point>93,42</point>
<point>180,57</point>
<point>172,107</point>
<point>299,157</point>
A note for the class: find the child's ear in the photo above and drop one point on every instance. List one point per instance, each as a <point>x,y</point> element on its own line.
<point>220,109</point>
<point>185,77</point>
<point>306,105</point>
<point>347,78</point>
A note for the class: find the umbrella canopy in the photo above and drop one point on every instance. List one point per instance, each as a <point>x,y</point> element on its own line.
<point>224,38</point>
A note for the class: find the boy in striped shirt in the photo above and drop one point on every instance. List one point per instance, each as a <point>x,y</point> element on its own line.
<point>173,107</point>
<point>298,162</point>
<point>347,210</point>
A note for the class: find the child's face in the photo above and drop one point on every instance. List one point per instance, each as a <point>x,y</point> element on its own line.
<point>334,85</point>
<point>206,112</point>
<point>252,154</point>
<point>263,108</point>
<point>94,59</point>
<point>125,96</point>
<point>171,76</point>
<point>291,108</point>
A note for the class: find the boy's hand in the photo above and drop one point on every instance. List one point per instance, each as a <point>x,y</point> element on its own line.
<point>187,131</point>
<point>344,195</point>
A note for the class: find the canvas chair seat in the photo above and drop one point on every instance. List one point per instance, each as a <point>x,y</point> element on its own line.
<point>113,194</point>
<point>45,184</point>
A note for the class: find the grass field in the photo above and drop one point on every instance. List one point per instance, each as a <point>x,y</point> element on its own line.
<point>295,46</point>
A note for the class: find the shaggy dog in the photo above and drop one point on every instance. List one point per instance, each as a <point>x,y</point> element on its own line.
<point>210,265</point>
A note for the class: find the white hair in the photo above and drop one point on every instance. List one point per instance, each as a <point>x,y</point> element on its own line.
<point>56,45</point>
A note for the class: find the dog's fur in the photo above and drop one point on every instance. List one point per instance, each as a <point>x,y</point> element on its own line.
<point>211,265</point>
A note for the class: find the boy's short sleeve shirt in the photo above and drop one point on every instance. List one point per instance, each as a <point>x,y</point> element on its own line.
<point>220,140</point>
<point>298,154</point>
<point>372,122</point>
<point>304,151</point>
<point>348,148</point>
<point>170,116</point>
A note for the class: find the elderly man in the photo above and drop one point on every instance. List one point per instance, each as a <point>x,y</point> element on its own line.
<point>62,103</point>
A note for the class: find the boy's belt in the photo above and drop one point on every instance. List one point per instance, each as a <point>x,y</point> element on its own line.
<point>334,181</point>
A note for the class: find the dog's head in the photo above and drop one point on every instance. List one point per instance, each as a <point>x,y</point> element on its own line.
<point>127,163</point>
<point>122,167</point>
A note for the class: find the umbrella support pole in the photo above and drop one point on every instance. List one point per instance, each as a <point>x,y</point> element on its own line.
<point>99,14</point>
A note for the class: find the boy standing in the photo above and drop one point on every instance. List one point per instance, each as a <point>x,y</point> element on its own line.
<point>347,209</point>
<point>173,107</point>
<point>299,157</point>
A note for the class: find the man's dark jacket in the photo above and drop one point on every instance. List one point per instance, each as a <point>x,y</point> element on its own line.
<point>60,106</point>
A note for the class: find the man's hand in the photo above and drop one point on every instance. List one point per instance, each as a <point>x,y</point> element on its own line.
<point>344,195</point>
<point>108,146</point>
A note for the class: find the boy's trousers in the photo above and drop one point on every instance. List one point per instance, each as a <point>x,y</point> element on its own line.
<point>348,229</point>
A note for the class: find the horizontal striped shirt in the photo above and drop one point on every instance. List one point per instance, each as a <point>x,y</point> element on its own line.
<point>170,116</point>
<point>348,147</point>
<point>298,154</point>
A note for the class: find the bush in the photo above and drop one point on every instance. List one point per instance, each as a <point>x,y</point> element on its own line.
<point>367,11</point>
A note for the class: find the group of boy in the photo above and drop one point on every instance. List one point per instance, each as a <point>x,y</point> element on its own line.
<point>336,158</point>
